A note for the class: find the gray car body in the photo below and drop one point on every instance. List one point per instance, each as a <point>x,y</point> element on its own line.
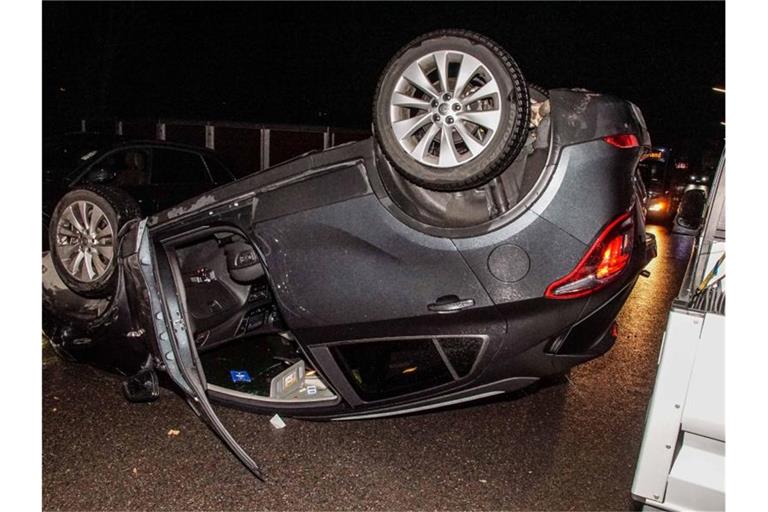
<point>348,264</point>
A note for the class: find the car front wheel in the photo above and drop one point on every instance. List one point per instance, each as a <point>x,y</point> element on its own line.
<point>83,235</point>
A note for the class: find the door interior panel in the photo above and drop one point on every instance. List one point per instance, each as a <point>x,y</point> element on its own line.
<point>243,343</point>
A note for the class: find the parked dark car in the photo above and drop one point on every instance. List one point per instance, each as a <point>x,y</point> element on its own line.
<point>486,237</point>
<point>157,175</point>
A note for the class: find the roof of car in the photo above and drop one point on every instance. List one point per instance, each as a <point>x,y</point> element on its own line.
<point>109,140</point>
<point>165,144</point>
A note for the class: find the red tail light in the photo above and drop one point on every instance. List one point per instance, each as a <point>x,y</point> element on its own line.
<point>623,141</point>
<point>604,261</point>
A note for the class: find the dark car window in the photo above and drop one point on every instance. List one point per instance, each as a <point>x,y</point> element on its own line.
<point>124,168</point>
<point>65,157</point>
<point>172,166</point>
<point>218,170</point>
<point>384,369</point>
<point>65,153</point>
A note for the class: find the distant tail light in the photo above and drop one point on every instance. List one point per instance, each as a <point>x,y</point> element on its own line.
<point>623,141</point>
<point>605,260</point>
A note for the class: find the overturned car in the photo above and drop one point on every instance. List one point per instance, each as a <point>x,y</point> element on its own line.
<point>486,237</point>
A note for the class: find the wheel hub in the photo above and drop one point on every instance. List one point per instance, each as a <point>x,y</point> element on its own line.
<point>445,108</point>
<point>446,112</point>
<point>84,238</point>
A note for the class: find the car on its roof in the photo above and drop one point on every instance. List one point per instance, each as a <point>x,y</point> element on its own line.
<point>486,237</point>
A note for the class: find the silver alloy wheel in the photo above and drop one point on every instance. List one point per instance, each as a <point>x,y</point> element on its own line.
<point>445,109</point>
<point>84,241</point>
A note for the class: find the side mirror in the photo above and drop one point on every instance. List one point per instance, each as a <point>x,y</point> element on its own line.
<point>100,175</point>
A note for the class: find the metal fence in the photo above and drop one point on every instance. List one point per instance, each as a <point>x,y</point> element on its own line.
<point>246,147</point>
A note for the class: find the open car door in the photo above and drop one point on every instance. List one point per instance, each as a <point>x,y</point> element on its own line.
<point>176,353</point>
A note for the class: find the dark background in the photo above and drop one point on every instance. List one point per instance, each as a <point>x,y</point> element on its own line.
<point>318,63</point>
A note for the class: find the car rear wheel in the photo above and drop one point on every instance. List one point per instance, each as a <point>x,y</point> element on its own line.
<point>451,110</point>
<point>83,235</point>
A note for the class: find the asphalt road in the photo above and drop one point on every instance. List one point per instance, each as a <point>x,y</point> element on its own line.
<point>571,445</point>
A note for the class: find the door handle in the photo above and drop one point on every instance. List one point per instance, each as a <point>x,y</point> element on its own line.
<point>450,304</point>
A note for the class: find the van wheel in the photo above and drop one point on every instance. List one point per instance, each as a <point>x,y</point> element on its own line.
<point>451,110</point>
<point>83,237</point>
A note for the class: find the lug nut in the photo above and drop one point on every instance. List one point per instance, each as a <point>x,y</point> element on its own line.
<point>434,103</point>
<point>436,118</point>
<point>449,120</point>
<point>456,107</point>
<point>446,96</point>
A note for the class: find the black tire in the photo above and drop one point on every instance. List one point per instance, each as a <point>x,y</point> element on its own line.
<point>505,143</point>
<point>118,208</point>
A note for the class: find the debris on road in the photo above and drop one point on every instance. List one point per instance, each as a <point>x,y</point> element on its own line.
<point>277,422</point>
<point>173,433</point>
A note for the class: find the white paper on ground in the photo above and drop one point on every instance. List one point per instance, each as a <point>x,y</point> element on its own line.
<point>277,421</point>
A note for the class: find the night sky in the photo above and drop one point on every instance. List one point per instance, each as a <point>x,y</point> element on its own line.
<point>319,63</point>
